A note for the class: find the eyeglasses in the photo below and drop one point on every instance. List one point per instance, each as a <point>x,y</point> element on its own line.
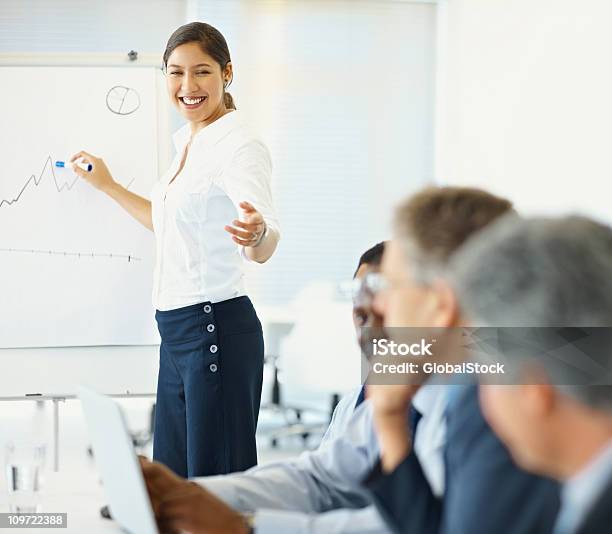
<point>360,289</point>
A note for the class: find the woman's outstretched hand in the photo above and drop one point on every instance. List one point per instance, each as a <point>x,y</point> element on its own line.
<point>99,176</point>
<point>248,232</point>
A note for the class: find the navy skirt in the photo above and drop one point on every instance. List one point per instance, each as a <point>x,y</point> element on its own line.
<point>209,387</point>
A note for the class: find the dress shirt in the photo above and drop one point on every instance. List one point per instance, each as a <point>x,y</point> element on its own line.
<point>430,438</point>
<point>343,413</point>
<point>321,491</point>
<point>580,492</point>
<point>197,260</point>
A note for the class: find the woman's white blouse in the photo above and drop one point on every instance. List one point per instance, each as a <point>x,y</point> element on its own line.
<point>196,259</point>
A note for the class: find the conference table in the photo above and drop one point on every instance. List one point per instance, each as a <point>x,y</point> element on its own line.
<point>81,497</point>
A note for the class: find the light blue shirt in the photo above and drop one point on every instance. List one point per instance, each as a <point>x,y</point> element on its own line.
<point>321,491</point>
<point>580,492</point>
<point>343,413</point>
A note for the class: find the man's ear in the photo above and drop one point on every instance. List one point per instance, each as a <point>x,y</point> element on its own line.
<point>538,395</point>
<point>445,305</point>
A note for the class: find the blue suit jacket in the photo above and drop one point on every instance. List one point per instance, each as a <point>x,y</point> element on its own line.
<point>485,493</point>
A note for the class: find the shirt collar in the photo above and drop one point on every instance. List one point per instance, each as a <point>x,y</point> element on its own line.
<point>581,491</point>
<point>209,134</point>
<point>428,396</point>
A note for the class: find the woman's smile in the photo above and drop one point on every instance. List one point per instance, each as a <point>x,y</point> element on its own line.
<point>192,102</point>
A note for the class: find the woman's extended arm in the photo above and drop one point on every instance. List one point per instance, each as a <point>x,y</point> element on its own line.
<point>247,182</point>
<point>100,177</point>
<point>258,239</point>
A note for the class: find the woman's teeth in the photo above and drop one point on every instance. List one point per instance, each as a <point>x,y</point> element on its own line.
<point>191,101</point>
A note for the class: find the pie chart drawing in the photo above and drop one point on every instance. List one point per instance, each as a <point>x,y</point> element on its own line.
<point>122,100</point>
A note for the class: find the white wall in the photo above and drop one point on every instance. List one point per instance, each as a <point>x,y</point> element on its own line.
<point>525,102</point>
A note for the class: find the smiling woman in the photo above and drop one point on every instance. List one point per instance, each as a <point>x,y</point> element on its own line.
<point>194,86</point>
<point>211,355</point>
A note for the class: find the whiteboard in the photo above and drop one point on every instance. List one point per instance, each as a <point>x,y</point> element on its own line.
<point>76,268</point>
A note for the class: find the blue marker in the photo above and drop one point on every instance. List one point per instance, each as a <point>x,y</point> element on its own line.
<point>63,164</point>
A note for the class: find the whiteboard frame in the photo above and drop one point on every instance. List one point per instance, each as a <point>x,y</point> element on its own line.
<point>78,59</point>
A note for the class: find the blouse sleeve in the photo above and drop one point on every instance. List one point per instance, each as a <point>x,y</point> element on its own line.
<point>247,177</point>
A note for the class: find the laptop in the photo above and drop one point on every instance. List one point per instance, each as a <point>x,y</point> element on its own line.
<point>117,463</point>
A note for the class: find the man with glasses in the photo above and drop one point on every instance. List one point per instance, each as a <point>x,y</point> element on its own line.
<point>361,294</point>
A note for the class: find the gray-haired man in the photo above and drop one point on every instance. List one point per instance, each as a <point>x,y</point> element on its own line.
<point>550,273</point>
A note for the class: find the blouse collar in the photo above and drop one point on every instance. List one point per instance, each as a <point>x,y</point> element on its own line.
<point>209,134</point>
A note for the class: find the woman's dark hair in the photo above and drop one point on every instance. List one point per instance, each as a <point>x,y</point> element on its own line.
<point>211,42</point>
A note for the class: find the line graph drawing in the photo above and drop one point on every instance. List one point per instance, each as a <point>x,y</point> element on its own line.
<point>122,100</point>
<point>66,186</point>
<point>85,255</point>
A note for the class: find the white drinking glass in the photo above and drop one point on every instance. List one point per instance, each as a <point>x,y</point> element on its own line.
<point>24,466</point>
